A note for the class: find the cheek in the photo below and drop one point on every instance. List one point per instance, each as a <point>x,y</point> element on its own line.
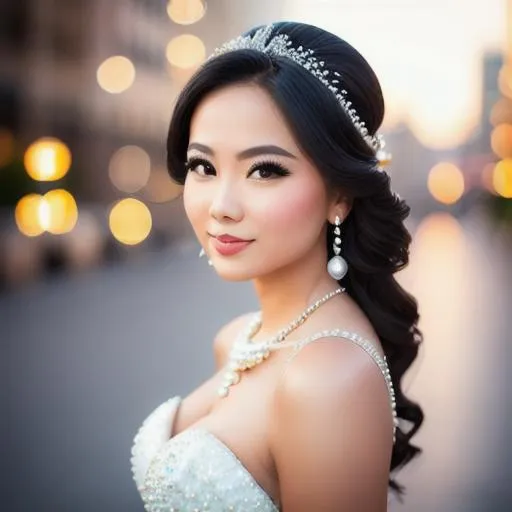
<point>297,208</point>
<point>193,203</point>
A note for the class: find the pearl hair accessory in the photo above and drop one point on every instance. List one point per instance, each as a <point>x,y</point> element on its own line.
<point>246,354</point>
<point>337,265</point>
<point>281,46</point>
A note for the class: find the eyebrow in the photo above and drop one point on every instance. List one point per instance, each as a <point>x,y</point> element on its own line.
<point>269,149</point>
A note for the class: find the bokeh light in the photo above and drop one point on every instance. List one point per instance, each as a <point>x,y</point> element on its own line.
<point>501,140</point>
<point>129,168</point>
<point>27,214</point>
<point>502,178</point>
<point>55,212</point>
<point>186,51</point>
<point>446,183</point>
<point>439,227</point>
<point>116,74</point>
<point>47,159</point>
<point>505,81</point>
<point>487,177</point>
<point>130,221</point>
<point>61,212</point>
<point>160,188</point>
<point>186,12</point>
<point>6,147</point>
<point>501,112</point>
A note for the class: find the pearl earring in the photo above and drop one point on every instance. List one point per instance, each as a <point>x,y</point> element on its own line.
<point>337,266</point>
<point>202,252</point>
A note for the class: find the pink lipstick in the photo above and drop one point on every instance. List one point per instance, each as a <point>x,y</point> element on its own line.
<point>228,245</point>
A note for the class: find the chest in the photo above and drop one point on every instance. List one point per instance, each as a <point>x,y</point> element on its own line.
<point>242,422</point>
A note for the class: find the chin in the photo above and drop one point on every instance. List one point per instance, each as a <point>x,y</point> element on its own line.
<point>232,273</point>
<point>237,271</point>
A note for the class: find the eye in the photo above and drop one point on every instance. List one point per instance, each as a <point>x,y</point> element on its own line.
<point>200,166</point>
<point>268,170</point>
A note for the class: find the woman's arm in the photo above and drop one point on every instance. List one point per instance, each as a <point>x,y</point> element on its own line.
<point>332,430</point>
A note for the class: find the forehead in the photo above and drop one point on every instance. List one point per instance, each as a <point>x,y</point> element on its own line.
<point>238,116</point>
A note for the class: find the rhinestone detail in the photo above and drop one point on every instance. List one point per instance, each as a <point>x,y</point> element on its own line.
<point>296,345</point>
<point>367,346</point>
<point>195,471</point>
<point>281,46</point>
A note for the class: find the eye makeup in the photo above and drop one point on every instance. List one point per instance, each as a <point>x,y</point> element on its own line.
<point>271,168</point>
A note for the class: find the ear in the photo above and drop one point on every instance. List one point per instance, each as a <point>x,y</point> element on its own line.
<point>340,206</point>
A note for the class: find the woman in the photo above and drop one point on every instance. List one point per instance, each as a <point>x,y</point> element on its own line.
<point>275,141</point>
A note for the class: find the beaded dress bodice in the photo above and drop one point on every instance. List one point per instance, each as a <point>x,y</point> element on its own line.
<point>194,470</point>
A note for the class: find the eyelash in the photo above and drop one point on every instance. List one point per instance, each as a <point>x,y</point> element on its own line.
<point>274,167</point>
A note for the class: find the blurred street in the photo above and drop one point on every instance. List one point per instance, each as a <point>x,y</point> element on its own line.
<point>88,357</point>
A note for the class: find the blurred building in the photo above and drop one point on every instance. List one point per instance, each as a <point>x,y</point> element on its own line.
<point>58,79</point>
<point>51,51</point>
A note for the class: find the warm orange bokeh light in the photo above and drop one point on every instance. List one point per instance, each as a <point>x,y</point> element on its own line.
<point>501,140</point>
<point>501,112</point>
<point>130,221</point>
<point>129,168</point>
<point>502,178</point>
<point>55,212</point>
<point>186,12</point>
<point>62,212</point>
<point>116,74</point>
<point>27,214</point>
<point>186,51</point>
<point>47,159</point>
<point>487,178</point>
<point>446,183</point>
<point>505,81</point>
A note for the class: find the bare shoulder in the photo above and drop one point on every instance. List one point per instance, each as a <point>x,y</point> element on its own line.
<point>332,426</point>
<point>331,371</point>
<point>226,335</point>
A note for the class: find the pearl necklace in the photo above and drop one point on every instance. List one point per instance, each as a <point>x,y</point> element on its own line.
<point>246,354</point>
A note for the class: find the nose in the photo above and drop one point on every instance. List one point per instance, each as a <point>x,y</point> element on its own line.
<point>226,204</point>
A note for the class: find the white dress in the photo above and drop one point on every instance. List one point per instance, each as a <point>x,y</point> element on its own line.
<point>196,472</point>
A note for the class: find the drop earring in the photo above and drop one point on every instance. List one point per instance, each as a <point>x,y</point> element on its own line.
<point>337,266</point>
<point>202,253</point>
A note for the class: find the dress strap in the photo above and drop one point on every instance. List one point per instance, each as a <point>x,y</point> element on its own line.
<point>366,345</point>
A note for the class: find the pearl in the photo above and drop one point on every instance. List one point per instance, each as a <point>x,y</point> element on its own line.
<point>231,378</point>
<point>337,267</point>
<point>246,354</point>
<point>223,391</point>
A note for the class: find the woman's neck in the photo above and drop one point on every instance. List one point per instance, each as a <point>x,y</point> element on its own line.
<point>284,295</point>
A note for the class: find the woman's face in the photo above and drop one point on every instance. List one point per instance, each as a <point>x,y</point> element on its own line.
<point>248,179</point>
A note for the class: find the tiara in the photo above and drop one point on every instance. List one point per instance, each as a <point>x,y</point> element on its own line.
<point>281,46</point>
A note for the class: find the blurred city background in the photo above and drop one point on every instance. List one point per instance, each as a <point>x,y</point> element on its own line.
<point>105,309</point>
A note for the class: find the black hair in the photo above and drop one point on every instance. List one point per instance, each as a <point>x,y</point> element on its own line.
<point>376,241</point>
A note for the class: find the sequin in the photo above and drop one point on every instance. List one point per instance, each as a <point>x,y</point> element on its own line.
<point>195,471</point>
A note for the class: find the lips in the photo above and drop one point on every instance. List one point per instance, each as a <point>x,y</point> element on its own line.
<point>228,245</point>
<point>230,239</point>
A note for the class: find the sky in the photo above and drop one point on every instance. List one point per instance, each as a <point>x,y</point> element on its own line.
<point>427,55</point>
